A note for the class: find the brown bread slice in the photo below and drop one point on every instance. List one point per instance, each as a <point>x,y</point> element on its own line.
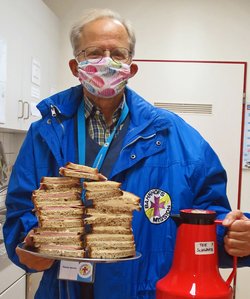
<point>59,186</point>
<point>111,254</point>
<point>110,245</point>
<point>113,220</point>
<point>108,237</point>
<point>82,168</point>
<point>108,193</point>
<point>78,174</point>
<point>101,229</point>
<point>61,250</point>
<point>100,186</point>
<point>76,229</point>
<point>57,203</point>
<point>68,194</point>
<point>58,237</point>
<point>59,180</point>
<point>55,222</point>
<point>61,211</point>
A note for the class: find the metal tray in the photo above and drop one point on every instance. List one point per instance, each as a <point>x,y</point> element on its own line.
<point>32,251</point>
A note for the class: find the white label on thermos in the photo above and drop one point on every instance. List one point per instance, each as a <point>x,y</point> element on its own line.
<point>204,248</point>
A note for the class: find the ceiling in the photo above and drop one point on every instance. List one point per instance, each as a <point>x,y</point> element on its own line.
<point>60,8</point>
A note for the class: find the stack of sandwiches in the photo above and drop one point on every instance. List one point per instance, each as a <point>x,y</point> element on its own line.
<point>60,212</point>
<point>99,227</point>
<point>109,213</point>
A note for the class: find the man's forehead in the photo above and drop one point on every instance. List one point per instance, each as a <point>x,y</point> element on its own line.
<point>104,24</point>
<point>104,30</point>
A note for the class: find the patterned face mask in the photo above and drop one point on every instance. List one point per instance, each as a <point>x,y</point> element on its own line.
<point>104,79</point>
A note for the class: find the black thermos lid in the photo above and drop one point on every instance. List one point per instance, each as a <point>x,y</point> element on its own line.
<point>195,216</point>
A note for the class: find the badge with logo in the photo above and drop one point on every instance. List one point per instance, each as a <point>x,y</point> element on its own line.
<point>78,271</point>
<point>85,272</point>
<point>157,206</point>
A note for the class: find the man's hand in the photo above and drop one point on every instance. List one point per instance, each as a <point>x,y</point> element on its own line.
<point>237,239</point>
<point>31,261</point>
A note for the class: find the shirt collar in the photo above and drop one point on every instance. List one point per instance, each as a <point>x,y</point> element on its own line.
<point>90,108</point>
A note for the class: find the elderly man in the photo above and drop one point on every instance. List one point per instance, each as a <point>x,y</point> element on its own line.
<point>152,152</point>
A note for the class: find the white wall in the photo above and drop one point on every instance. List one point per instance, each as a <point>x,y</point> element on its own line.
<point>180,29</point>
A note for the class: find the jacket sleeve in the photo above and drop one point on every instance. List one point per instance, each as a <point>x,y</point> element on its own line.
<point>210,182</point>
<point>20,217</point>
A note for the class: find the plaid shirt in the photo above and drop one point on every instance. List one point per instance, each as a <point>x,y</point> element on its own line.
<point>98,130</point>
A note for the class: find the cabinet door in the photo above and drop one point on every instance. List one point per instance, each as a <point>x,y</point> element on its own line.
<point>32,33</point>
<point>13,43</point>
<point>28,88</point>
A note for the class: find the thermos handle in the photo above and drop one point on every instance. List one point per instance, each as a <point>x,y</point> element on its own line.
<point>235,261</point>
<point>233,273</point>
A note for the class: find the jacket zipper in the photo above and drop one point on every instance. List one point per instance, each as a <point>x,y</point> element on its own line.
<point>137,138</point>
<point>54,114</point>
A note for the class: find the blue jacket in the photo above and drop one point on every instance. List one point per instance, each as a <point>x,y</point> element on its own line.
<point>163,160</point>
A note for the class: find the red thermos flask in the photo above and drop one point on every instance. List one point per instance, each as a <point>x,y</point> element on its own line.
<point>194,272</point>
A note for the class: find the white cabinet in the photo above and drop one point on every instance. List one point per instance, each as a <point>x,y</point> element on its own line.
<point>31,33</point>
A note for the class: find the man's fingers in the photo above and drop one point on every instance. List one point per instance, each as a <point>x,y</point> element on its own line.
<point>232,216</point>
<point>237,239</point>
<point>235,247</point>
<point>240,226</point>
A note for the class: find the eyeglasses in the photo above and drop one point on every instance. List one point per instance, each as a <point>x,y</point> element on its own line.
<point>95,54</point>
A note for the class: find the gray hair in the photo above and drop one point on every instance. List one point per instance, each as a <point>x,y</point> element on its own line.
<point>95,14</point>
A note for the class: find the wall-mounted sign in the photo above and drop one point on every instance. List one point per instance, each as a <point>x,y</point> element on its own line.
<point>36,72</point>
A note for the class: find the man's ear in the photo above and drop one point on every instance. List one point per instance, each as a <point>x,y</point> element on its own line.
<point>74,67</point>
<point>133,69</point>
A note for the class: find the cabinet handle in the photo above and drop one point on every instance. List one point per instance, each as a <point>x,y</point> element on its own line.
<point>28,110</point>
<point>22,109</point>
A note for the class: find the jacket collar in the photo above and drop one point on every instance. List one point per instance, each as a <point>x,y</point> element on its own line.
<point>66,102</point>
<point>142,113</point>
<point>145,120</point>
